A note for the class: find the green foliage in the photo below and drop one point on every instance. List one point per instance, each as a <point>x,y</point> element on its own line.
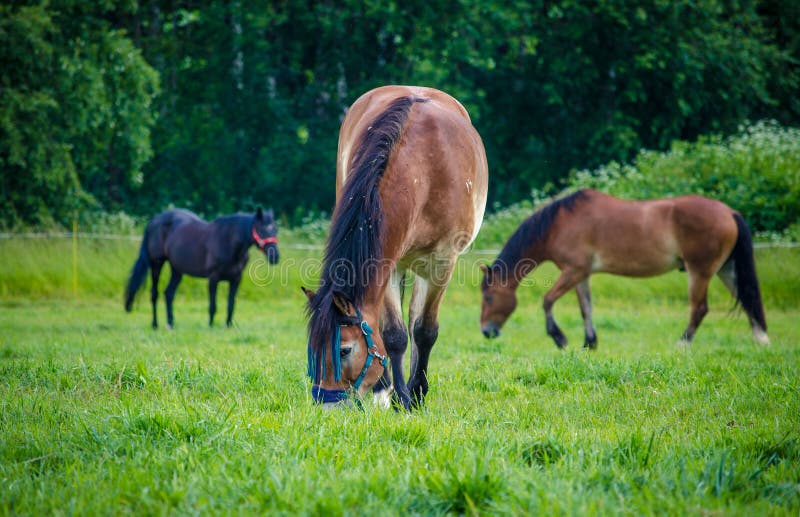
<point>223,106</point>
<point>756,171</point>
<point>75,112</point>
<point>38,175</point>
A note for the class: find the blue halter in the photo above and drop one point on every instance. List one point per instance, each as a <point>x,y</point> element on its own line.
<point>372,352</point>
<point>322,395</point>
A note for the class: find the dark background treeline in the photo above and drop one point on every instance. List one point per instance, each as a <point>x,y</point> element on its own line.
<point>219,106</point>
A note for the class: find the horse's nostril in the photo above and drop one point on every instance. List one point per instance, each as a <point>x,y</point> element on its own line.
<point>490,331</point>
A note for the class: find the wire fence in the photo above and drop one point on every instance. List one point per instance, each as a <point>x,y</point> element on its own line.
<point>292,246</point>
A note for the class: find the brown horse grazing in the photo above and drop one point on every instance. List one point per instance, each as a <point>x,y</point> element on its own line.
<point>591,232</point>
<point>411,180</point>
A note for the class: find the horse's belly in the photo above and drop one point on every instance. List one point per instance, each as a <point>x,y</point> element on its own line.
<point>635,266</point>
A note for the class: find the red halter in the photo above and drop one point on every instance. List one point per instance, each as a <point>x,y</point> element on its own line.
<point>262,242</point>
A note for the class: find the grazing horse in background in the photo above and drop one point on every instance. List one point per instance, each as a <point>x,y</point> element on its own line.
<point>411,181</point>
<point>215,250</point>
<point>590,232</point>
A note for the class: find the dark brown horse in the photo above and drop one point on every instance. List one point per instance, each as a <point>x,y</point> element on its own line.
<point>591,232</point>
<point>215,250</point>
<point>411,181</point>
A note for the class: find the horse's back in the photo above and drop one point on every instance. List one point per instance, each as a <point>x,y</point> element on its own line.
<point>434,186</point>
<point>173,218</point>
<point>643,238</point>
<point>372,103</point>
<point>178,236</point>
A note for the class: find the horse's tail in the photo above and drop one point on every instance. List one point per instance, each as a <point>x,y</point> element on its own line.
<point>748,293</point>
<point>138,274</point>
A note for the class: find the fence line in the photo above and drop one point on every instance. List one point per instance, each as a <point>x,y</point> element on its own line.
<point>298,246</point>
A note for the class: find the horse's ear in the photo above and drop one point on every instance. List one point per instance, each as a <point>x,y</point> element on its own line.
<point>271,214</point>
<point>486,270</point>
<point>259,213</point>
<point>344,305</point>
<point>309,293</point>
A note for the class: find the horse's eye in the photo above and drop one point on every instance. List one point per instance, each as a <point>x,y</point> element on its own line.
<point>345,351</point>
<point>488,299</point>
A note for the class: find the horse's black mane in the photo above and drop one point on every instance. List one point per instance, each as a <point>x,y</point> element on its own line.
<point>533,229</point>
<point>242,220</point>
<point>354,243</point>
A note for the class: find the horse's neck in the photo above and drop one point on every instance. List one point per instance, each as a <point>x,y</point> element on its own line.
<point>241,229</point>
<point>380,282</point>
<point>519,263</point>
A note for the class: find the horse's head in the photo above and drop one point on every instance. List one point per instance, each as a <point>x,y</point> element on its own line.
<point>265,234</point>
<point>352,359</point>
<point>499,300</point>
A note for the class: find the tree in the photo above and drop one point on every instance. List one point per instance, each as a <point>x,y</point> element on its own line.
<point>75,111</point>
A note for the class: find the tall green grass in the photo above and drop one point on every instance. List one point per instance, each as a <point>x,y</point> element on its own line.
<point>99,414</point>
<point>43,268</point>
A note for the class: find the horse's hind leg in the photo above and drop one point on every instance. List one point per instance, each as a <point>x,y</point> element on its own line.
<point>569,278</point>
<point>585,301</point>
<point>169,294</point>
<point>233,287</point>
<point>395,339</point>
<point>212,298</point>
<point>155,273</point>
<point>727,274</point>
<point>698,301</point>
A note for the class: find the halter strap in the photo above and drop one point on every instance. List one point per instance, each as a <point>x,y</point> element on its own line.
<point>323,396</point>
<point>372,352</point>
<point>261,242</point>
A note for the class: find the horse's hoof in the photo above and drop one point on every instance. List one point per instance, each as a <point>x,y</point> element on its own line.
<point>418,391</point>
<point>556,333</point>
<point>684,343</point>
<point>401,399</point>
<point>590,343</point>
<point>761,337</point>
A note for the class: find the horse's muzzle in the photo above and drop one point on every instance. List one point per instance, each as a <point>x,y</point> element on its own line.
<point>271,251</point>
<point>490,330</point>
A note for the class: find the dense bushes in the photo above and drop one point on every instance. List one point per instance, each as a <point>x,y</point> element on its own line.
<point>221,106</point>
<point>756,171</point>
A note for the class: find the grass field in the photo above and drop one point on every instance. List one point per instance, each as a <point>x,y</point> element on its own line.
<point>99,414</point>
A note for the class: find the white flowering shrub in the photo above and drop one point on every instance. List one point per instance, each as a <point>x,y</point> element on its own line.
<point>756,171</point>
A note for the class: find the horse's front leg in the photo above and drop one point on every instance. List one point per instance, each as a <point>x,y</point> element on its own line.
<point>213,280</point>
<point>233,286</point>
<point>569,278</point>
<point>395,339</point>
